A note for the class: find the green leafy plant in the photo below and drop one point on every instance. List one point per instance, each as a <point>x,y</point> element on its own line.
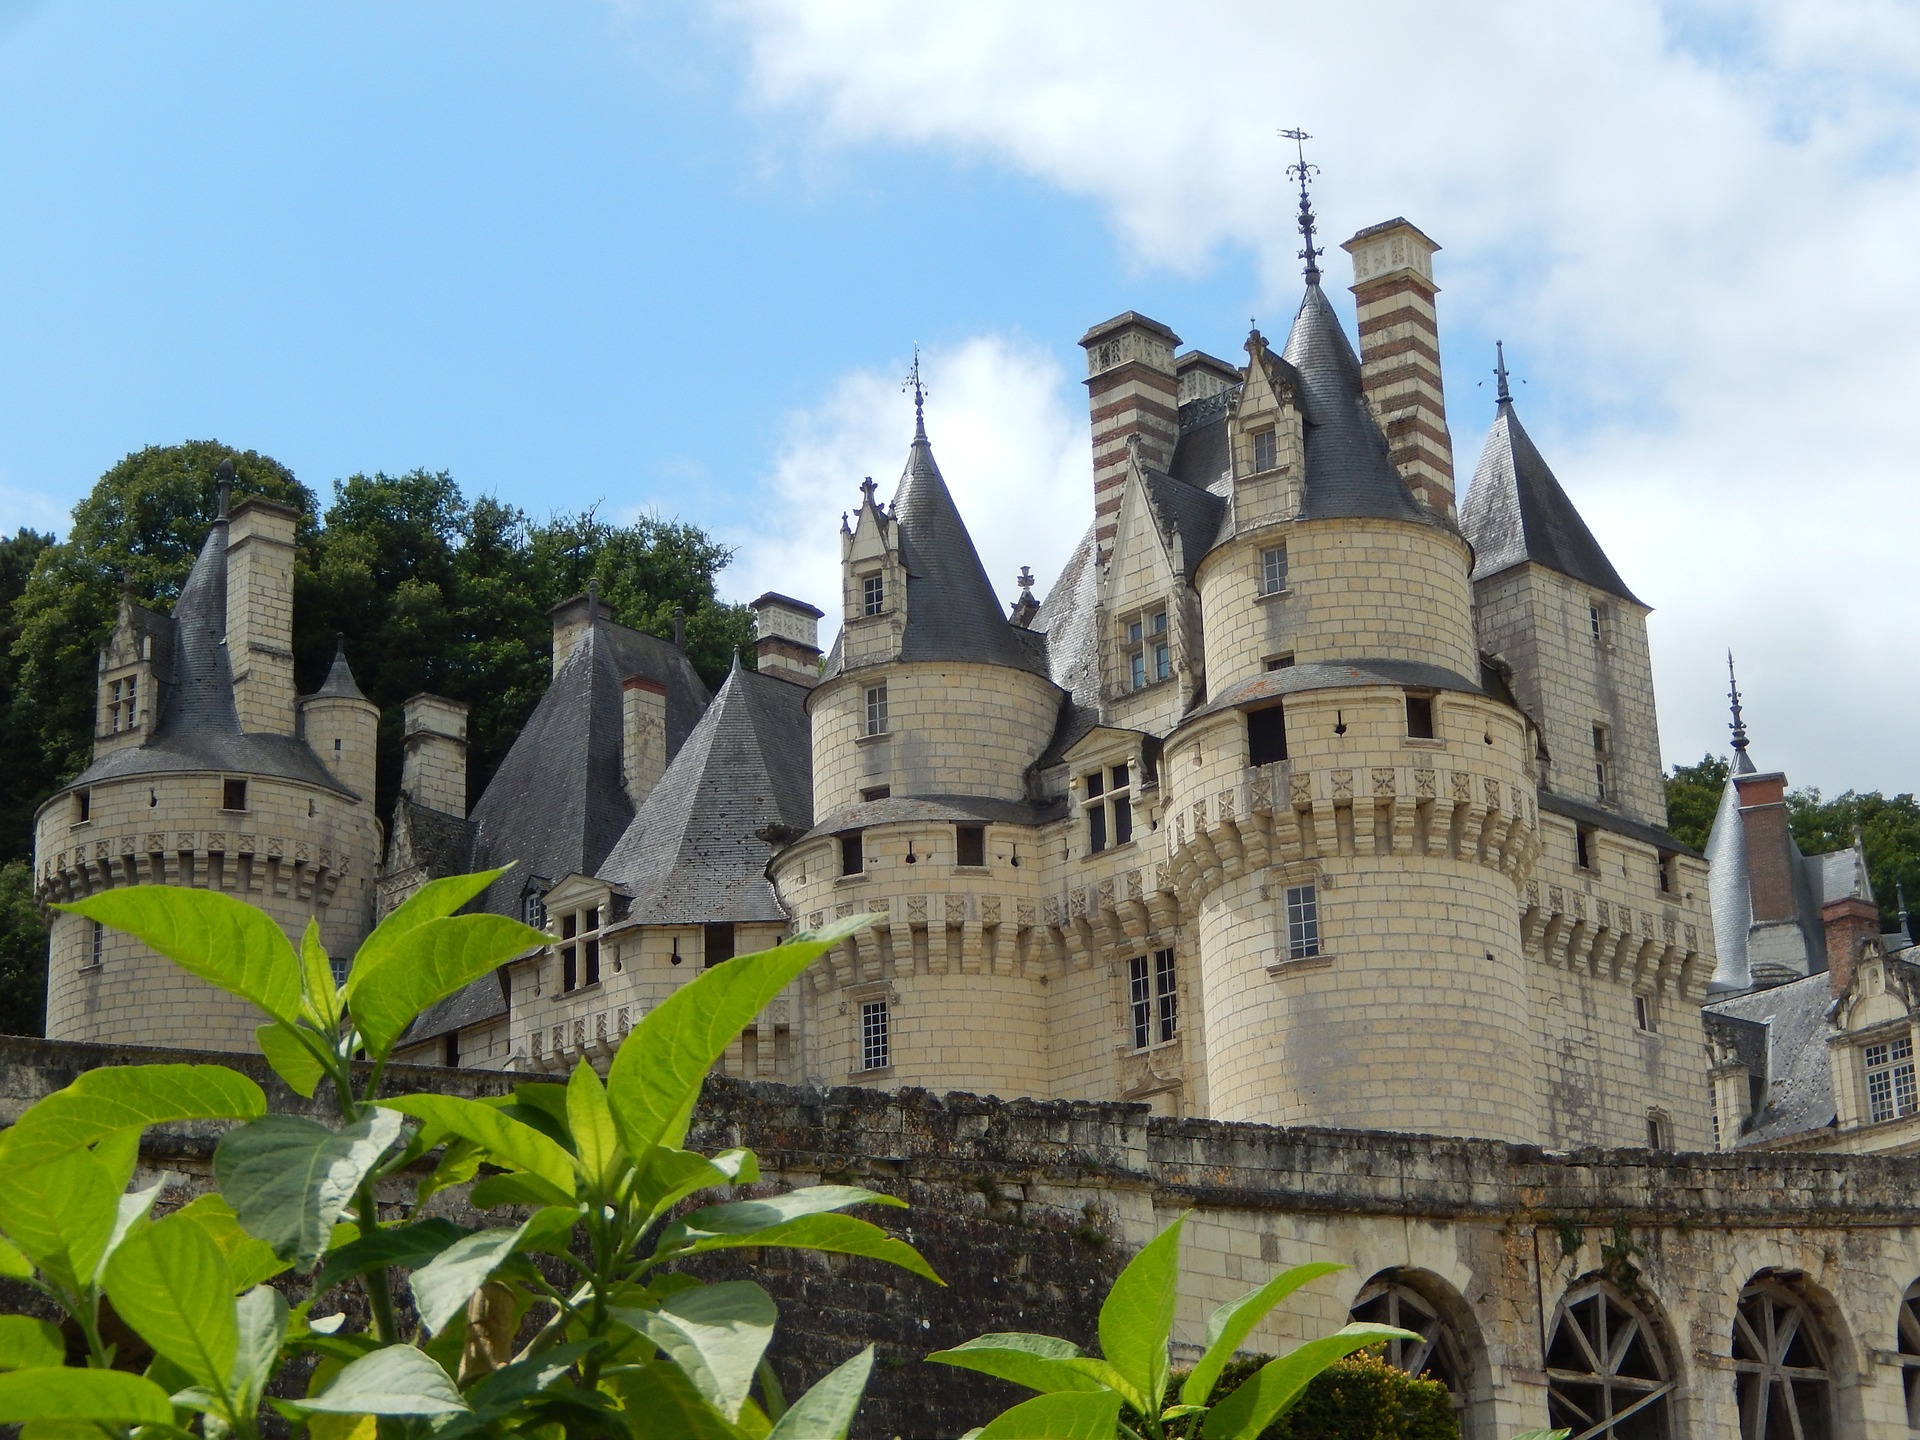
<point>566,1318</point>
<point>1362,1397</point>
<point>1126,1393</point>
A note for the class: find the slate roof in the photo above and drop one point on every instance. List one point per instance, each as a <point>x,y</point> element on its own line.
<point>1799,1094</point>
<point>740,788</point>
<point>1348,471</point>
<point>197,726</point>
<point>896,810</point>
<point>340,682</point>
<point>1603,819</point>
<point>1336,675</point>
<point>1195,515</point>
<point>556,806</point>
<point>1070,621</point>
<point>1515,511</point>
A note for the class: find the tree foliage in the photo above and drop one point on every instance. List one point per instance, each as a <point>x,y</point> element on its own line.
<point>1889,826</point>
<point>1359,1398</point>
<point>23,954</point>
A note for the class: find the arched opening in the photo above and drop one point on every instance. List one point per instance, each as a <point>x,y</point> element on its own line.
<point>1394,1297</point>
<point>1783,1378</point>
<point>1909,1337</point>
<point>1608,1375</point>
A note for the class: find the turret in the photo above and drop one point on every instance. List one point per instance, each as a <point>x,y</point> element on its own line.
<point>342,726</point>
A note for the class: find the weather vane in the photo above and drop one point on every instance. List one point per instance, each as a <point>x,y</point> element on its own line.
<point>912,382</point>
<point>1300,170</point>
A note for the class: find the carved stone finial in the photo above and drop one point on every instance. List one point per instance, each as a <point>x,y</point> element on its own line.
<point>867,487</point>
<point>224,475</point>
<point>1025,580</point>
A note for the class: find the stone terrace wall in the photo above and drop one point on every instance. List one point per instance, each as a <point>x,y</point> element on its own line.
<point>1028,1209</point>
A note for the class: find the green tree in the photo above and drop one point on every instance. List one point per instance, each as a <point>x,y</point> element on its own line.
<point>1359,1398</point>
<point>20,783</point>
<point>1693,795</point>
<point>1889,828</point>
<point>23,954</point>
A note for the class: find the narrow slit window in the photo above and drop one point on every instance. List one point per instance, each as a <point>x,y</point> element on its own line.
<point>852,861</point>
<point>1642,1013</point>
<point>719,943</point>
<point>970,845</point>
<point>1583,847</point>
<point>83,806</point>
<point>876,1041</point>
<point>1273,570</point>
<point>1303,922</point>
<point>1602,756</point>
<point>1266,735</point>
<point>98,953</point>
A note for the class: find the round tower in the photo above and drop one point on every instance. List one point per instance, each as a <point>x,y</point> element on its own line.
<point>1351,814</point>
<point>932,710</point>
<point>205,774</point>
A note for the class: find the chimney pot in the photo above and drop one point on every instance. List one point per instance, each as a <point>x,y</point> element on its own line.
<point>1394,292</point>
<point>1133,394</point>
<point>788,643</point>
<point>433,763</point>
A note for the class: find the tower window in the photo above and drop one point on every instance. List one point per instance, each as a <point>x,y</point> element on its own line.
<point>719,944</point>
<point>98,951</point>
<point>970,845</point>
<point>1266,451</point>
<point>873,594</point>
<point>876,709</point>
<point>852,862</point>
<point>451,1053</point>
<point>876,1048</point>
<point>1420,717</point>
<point>1303,922</point>
<point>1659,1131</point>
<point>1281,662</point>
<point>1149,654</point>
<point>1599,624</point>
<point>1890,1084</point>
<point>875,792</point>
<point>1152,999</point>
<point>1273,570</point>
<point>1602,754</point>
<point>533,908</point>
<point>1266,735</point>
<point>82,806</point>
<point>1669,873</point>
<point>233,795</point>
<point>1109,807</point>
<point>1642,1013</point>
<point>1583,846</point>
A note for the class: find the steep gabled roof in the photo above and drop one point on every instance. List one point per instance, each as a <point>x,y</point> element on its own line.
<point>741,787</point>
<point>1069,618</point>
<point>557,804</point>
<point>1194,515</point>
<point>1348,472</point>
<point>952,610</point>
<point>1515,511</point>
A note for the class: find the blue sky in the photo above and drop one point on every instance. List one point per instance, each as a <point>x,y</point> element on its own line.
<point>676,258</point>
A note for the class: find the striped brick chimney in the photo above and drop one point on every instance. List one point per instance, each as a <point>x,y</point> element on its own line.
<point>1400,354</point>
<point>1132,389</point>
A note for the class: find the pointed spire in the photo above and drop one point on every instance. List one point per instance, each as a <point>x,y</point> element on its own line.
<point>919,399</point>
<point>1505,396</point>
<point>340,679</point>
<point>225,478</point>
<point>1302,171</point>
<point>1742,765</point>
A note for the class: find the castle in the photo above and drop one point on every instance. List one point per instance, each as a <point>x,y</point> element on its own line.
<point>1305,797</point>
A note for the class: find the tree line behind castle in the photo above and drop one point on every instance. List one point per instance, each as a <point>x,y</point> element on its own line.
<point>434,591</point>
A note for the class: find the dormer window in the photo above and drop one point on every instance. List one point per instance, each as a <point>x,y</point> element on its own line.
<point>533,905</point>
<point>1266,450</point>
<point>1890,1083</point>
<point>123,704</point>
<point>1109,807</point>
<point>1149,654</point>
<point>580,948</point>
<point>873,594</point>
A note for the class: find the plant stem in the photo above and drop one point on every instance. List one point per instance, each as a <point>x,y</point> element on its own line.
<point>379,1291</point>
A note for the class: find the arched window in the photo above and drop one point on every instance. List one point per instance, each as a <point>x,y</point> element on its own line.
<point>1783,1383</point>
<point>1607,1377</point>
<point>1437,1354</point>
<point>1909,1329</point>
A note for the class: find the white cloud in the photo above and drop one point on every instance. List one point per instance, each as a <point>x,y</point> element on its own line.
<point>1696,219</point>
<point>1015,457</point>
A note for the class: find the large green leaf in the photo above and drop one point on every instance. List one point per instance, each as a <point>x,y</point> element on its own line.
<point>1080,1416</point>
<point>1137,1318</point>
<point>716,1334</point>
<point>249,1261</point>
<point>224,941</point>
<point>428,963</point>
<point>169,1281</point>
<point>747,1217</point>
<point>1270,1391</point>
<point>405,1245</point>
<point>656,1076</point>
<point>107,1396</point>
<point>1039,1362</point>
<point>1232,1323</point>
<point>289,1179</point>
<point>506,1140</point>
<point>398,1380</point>
<point>826,1411</point>
<point>595,1140</point>
<point>290,1058</point>
<point>126,1097</point>
<point>659,1401</point>
<point>28,1344</point>
<point>320,995</point>
<point>835,1234</point>
<point>675,1174</point>
<point>442,1287</point>
<point>435,900</point>
<point>262,1316</point>
<point>130,1211</point>
<point>61,1213</point>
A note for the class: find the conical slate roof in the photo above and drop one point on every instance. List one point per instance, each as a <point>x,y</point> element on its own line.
<point>201,697</point>
<point>340,683</point>
<point>1515,511</point>
<point>952,611</point>
<point>1729,893</point>
<point>1349,473</point>
<point>740,787</point>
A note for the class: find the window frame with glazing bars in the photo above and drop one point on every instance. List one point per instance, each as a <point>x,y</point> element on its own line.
<point>1888,1098</point>
<point>1108,806</point>
<point>1149,638</point>
<point>876,1040</point>
<point>877,709</point>
<point>1303,920</point>
<point>1266,450</point>
<point>873,594</point>
<point>579,950</point>
<point>1153,1001</point>
<point>1273,570</point>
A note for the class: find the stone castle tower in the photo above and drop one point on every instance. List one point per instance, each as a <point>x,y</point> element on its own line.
<point>209,771</point>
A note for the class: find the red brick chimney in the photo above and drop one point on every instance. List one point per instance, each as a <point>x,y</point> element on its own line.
<point>1133,389</point>
<point>1850,923</point>
<point>1763,823</point>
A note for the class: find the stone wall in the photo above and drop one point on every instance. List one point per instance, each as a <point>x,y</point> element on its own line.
<point>1028,1208</point>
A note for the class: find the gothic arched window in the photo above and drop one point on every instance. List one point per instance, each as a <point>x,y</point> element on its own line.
<point>1437,1354</point>
<point>1783,1383</point>
<point>1607,1377</point>
<point>1909,1335</point>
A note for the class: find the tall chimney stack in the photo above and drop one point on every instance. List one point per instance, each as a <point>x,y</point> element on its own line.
<point>1400,354</point>
<point>788,643</point>
<point>643,735</point>
<point>433,760</point>
<point>1133,389</point>
<point>260,614</point>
